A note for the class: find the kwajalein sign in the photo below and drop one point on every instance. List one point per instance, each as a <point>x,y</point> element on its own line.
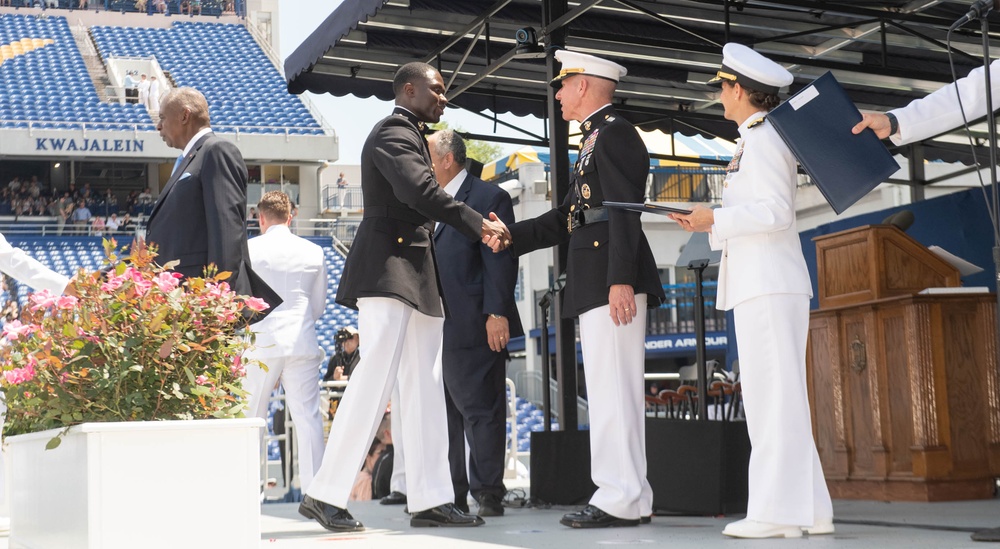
<point>69,144</point>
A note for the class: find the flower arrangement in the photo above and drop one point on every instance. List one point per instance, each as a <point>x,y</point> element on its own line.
<point>136,343</point>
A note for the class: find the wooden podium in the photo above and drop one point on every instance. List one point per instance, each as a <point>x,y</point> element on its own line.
<point>903,387</point>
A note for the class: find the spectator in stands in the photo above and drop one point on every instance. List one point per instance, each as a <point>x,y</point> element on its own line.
<point>34,188</point>
<point>286,339</point>
<point>127,226</point>
<point>144,91</point>
<point>145,197</point>
<point>112,224</point>
<point>81,217</point>
<point>373,479</point>
<point>41,204</point>
<point>131,92</point>
<point>202,221</point>
<point>154,94</point>
<point>97,225</point>
<point>346,357</point>
<point>191,5</point>
<point>131,201</point>
<point>342,191</point>
<point>253,226</point>
<point>64,209</point>
<point>14,185</point>
<point>110,201</point>
<point>74,193</point>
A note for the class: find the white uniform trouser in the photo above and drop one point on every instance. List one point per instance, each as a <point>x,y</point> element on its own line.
<point>390,330</point>
<point>397,483</point>
<point>786,478</point>
<point>300,377</point>
<point>614,362</point>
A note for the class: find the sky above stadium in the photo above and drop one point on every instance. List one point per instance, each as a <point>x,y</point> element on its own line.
<point>352,117</point>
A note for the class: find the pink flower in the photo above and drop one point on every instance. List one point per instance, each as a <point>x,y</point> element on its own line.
<point>42,300</point>
<point>201,380</point>
<point>167,281</point>
<point>14,329</point>
<point>18,376</point>
<point>142,286</point>
<point>237,368</point>
<point>256,304</point>
<point>113,284</point>
<point>66,302</point>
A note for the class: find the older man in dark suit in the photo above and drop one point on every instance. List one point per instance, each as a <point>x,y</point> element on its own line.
<point>478,287</point>
<point>390,277</point>
<point>200,215</point>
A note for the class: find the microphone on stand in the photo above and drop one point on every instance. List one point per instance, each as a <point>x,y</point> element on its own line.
<point>978,10</point>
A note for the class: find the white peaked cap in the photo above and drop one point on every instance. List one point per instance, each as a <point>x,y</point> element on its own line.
<point>751,70</point>
<point>581,63</point>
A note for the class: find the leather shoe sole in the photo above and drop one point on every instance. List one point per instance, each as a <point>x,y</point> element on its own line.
<point>646,519</point>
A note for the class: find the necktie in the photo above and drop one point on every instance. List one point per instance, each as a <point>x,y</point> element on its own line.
<point>177,164</point>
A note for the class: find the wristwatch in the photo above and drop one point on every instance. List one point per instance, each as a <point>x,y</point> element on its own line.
<point>893,123</point>
<point>496,316</point>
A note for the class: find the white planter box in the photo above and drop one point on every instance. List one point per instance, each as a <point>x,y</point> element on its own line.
<point>155,484</point>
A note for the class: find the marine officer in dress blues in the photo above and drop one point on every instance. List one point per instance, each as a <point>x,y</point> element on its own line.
<point>763,278</point>
<point>611,279</point>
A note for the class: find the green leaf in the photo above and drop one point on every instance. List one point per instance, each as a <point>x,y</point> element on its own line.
<point>54,442</point>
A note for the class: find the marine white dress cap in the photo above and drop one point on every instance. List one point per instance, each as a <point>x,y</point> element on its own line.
<point>751,70</point>
<point>581,63</point>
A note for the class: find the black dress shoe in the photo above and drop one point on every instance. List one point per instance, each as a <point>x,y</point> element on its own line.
<point>462,505</point>
<point>394,498</point>
<point>444,515</point>
<point>646,519</point>
<point>331,517</point>
<point>490,505</point>
<point>993,534</point>
<point>592,517</point>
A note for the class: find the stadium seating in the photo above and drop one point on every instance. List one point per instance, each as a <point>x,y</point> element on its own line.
<point>244,89</point>
<point>44,81</point>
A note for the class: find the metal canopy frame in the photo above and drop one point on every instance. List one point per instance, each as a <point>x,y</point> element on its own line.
<point>884,52</point>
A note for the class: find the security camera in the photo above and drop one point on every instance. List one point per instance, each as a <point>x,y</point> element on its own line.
<point>526,36</point>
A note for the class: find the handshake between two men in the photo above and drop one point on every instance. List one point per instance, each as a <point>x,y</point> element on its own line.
<point>495,233</point>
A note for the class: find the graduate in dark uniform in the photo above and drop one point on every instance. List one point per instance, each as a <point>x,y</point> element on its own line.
<point>390,277</point>
<point>611,279</point>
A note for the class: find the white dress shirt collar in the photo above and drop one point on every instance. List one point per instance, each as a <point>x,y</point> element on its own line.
<point>195,139</point>
<point>456,183</point>
<point>278,228</point>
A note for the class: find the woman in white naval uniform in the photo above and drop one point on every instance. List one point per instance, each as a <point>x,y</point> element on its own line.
<point>23,268</point>
<point>763,278</point>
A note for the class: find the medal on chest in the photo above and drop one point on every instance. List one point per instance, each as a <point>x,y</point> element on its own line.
<point>734,164</point>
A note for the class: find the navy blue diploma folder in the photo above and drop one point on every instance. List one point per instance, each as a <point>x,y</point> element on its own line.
<point>816,125</point>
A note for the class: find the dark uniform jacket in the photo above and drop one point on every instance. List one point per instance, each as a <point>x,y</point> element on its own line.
<point>476,281</point>
<point>393,253</point>
<point>612,165</point>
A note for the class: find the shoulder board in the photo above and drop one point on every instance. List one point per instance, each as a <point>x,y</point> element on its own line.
<point>757,122</point>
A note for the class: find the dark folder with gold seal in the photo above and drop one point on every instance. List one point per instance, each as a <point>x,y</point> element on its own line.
<point>816,125</point>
